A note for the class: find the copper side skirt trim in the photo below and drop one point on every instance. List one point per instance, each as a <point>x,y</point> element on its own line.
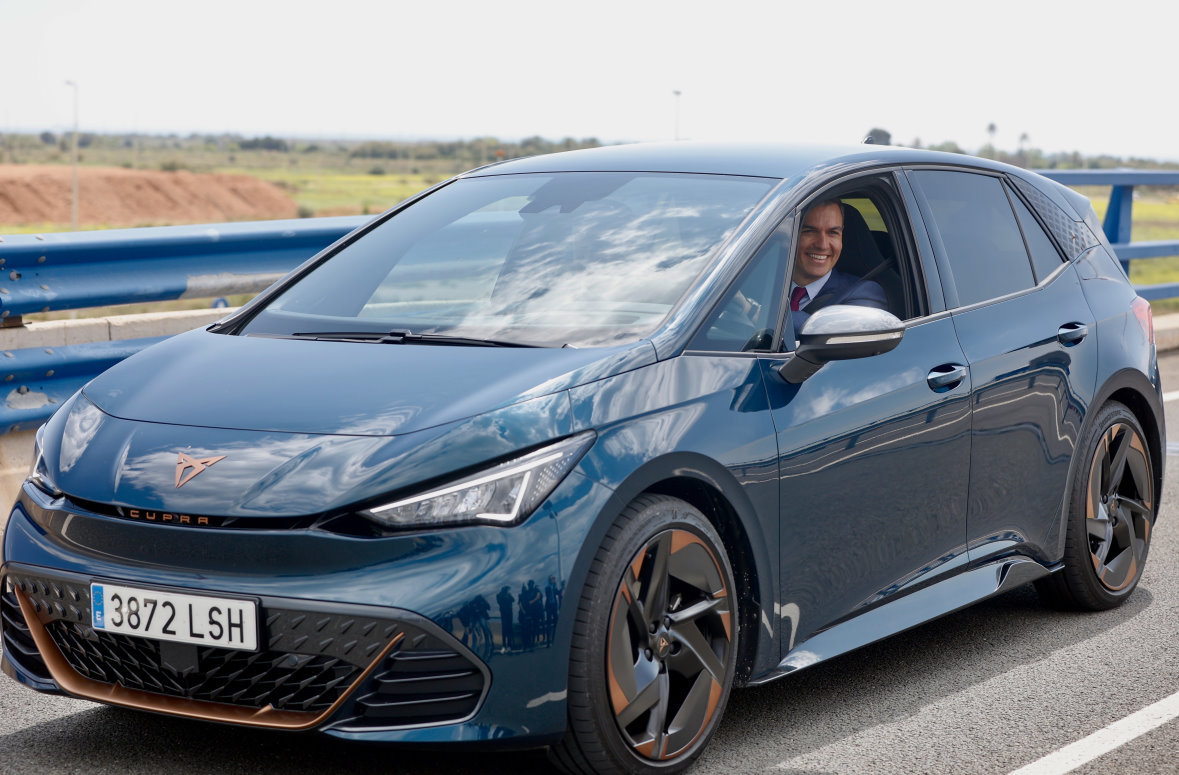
<point>69,680</point>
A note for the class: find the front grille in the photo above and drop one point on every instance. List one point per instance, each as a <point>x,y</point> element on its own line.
<point>308,660</point>
<point>284,680</point>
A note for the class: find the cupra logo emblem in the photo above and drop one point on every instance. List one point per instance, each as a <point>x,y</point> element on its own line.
<point>185,462</point>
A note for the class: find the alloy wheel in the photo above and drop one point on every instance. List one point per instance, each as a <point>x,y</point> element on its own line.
<point>669,637</point>
<point>1120,507</point>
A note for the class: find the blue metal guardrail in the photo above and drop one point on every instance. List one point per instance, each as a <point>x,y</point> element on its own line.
<point>44,272</point>
<point>39,273</point>
<point>1117,217</point>
<point>90,269</point>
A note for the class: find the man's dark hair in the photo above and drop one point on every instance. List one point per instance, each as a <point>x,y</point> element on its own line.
<point>824,203</point>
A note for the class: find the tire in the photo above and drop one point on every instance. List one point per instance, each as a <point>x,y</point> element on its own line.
<point>654,645</point>
<point>1112,508</point>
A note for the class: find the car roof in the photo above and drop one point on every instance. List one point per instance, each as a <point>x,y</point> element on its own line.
<point>763,160</point>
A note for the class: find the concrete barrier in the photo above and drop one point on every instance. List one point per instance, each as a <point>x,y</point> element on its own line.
<point>1166,332</point>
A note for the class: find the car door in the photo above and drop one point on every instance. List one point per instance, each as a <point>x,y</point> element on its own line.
<point>873,453</point>
<point>1028,336</point>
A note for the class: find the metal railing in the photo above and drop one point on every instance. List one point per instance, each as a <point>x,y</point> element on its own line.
<point>1118,214</point>
<point>89,269</point>
<point>44,272</point>
<point>51,272</point>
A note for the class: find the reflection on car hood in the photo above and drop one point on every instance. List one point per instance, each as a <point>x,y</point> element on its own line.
<point>160,469</point>
<point>366,389</point>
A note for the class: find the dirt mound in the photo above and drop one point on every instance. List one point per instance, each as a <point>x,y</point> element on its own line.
<point>122,197</point>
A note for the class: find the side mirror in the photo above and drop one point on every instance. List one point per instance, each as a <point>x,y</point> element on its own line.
<point>838,333</point>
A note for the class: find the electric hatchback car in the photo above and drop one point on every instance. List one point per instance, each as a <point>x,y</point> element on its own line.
<point>553,454</point>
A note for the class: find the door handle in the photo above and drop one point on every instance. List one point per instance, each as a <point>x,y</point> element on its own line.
<point>946,377</point>
<point>1071,333</point>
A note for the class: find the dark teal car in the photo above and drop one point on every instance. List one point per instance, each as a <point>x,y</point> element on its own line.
<point>561,450</point>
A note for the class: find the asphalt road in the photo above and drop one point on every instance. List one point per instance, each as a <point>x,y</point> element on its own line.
<point>987,691</point>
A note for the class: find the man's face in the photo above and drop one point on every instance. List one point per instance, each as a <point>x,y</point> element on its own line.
<point>819,243</point>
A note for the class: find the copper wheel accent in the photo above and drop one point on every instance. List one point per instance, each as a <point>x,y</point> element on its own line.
<point>669,637</point>
<point>1119,507</point>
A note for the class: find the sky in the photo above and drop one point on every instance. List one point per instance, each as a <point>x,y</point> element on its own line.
<point>1093,77</point>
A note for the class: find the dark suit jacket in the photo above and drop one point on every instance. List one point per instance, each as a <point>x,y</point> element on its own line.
<point>842,288</point>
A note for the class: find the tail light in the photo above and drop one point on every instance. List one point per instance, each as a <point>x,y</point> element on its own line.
<point>1141,309</point>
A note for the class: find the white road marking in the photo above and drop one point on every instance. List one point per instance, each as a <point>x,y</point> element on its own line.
<point>1173,447</point>
<point>1172,396</point>
<point>1105,740</point>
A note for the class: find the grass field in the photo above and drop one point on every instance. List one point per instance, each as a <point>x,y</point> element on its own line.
<point>1154,218</point>
<point>327,181</point>
<point>333,192</point>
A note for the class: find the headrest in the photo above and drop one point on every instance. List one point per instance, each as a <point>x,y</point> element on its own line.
<point>860,251</point>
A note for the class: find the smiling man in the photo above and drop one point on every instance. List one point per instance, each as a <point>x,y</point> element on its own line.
<point>815,283</point>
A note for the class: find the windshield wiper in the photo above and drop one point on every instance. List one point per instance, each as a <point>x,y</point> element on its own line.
<point>405,337</point>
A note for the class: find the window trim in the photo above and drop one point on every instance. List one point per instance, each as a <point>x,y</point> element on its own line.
<point>887,185</point>
<point>1013,193</point>
<point>904,227</point>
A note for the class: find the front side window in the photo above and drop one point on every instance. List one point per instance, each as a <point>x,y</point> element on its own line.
<point>874,268</point>
<point>577,259</point>
<point>747,317</point>
<point>978,231</point>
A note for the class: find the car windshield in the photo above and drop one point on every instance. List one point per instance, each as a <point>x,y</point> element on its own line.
<point>580,259</point>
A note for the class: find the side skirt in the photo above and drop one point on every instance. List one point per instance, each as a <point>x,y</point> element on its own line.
<point>916,608</point>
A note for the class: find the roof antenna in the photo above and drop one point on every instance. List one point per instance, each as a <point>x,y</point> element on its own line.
<point>868,140</point>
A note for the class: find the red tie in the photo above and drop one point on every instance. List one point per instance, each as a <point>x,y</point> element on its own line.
<point>796,297</point>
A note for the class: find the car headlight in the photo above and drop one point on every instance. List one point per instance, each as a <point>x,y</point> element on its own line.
<point>39,471</point>
<point>500,495</point>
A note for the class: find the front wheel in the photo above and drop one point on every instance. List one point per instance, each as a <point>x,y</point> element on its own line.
<point>1111,515</point>
<point>654,646</point>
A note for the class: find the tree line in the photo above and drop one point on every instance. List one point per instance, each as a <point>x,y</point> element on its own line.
<point>25,147</point>
<point>1027,157</point>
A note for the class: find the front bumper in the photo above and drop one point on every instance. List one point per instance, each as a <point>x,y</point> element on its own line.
<point>396,639</point>
<point>357,667</point>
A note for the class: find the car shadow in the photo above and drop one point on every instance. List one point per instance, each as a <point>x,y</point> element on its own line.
<point>107,739</point>
<point>800,713</point>
<point>895,678</point>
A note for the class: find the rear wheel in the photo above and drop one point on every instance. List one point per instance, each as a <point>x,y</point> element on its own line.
<point>1111,516</point>
<point>655,644</point>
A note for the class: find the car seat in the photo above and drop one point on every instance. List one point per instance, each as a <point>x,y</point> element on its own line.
<point>863,257</point>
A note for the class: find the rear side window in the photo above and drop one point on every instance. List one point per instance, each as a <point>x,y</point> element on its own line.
<point>1071,236</point>
<point>979,234</point>
<point>1045,258</point>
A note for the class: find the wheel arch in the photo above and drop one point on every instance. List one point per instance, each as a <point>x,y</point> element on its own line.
<point>1131,389</point>
<point>1141,408</point>
<point>720,512</point>
<point>712,489</point>
<point>1135,391</point>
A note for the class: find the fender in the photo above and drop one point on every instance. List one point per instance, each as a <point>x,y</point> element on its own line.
<point>683,474</point>
<point>1143,398</point>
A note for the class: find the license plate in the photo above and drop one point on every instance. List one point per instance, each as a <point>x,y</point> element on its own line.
<point>197,619</point>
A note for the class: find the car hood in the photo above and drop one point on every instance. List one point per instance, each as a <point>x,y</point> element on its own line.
<point>158,472</point>
<point>224,426</point>
<point>343,388</point>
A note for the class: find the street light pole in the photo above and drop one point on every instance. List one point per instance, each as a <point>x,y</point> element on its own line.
<point>677,94</point>
<point>74,187</point>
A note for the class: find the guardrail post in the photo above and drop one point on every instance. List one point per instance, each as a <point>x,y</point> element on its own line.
<point>1117,218</point>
